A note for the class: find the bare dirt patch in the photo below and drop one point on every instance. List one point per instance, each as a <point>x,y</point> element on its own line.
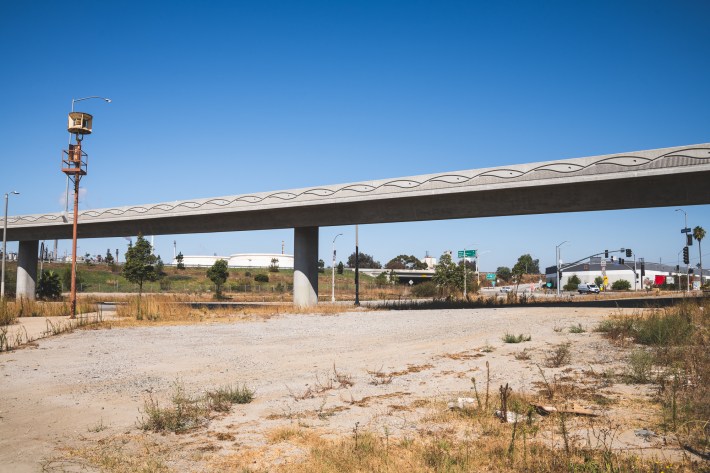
<point>75,399</point>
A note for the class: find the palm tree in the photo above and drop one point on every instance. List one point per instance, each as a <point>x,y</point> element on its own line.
<point>699,234</point>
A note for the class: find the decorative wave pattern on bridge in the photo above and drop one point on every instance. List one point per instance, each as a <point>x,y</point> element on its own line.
<point>607,164</point>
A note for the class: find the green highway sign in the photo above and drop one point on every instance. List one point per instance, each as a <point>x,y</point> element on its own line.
<point>469,253</point>
<point>491,276</point>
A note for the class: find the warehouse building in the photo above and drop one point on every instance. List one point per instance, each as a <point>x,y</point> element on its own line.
<point>639,275</point>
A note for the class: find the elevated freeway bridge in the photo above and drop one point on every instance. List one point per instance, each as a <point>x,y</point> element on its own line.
<point>651,178</point>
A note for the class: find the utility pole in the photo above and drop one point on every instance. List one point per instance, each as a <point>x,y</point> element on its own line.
<point>357,268</point>
<point>333,269</point>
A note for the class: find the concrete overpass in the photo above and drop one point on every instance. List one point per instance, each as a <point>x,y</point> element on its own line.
<point>650,178</point>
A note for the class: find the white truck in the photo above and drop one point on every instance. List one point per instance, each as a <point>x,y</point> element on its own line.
<point>588,288</point>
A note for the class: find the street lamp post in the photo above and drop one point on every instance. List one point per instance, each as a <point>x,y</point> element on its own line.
<point>4,245</point>
<point>557,264</point>
<point>333,268</point>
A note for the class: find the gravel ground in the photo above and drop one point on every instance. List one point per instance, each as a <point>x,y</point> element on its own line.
<point>53,394</point>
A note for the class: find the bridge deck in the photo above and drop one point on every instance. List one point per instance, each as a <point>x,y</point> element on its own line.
<point>651,178</point>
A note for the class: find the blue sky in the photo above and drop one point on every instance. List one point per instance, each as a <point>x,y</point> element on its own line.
<point>223,98</point>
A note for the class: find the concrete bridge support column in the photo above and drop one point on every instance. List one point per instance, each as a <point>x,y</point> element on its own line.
<point>27,269</point>
<point>305,266</point>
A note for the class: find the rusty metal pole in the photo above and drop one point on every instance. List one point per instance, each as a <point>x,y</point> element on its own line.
<point>77,176</point>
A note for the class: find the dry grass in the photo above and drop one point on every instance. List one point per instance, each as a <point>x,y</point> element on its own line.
<point>444,440</point>
<point>182,309</point>
<point>676,360</point>
<point>465,440</point>
<point>10,310</point>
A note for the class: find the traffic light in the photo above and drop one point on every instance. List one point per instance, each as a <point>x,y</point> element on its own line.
<point>677,268</point>
<point>612,258</point>
<point>686,256</point>
<point>606,254</point>
<point>688,239</point>
<point>643,269</point>
<point>628,252</point>
<point>621,260</point>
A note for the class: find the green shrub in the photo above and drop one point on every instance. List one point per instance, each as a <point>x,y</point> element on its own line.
<point>49,287</point>
<point>261,277</point>
<point>221,400</point>
<point>639,366</point>
<point>183,414</point>
<point>425,289</point>
<point>510,338</point>
<point>621,285</point>
<point>577,329</point>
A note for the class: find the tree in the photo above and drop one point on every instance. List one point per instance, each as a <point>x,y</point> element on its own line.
<point>599,281</point>
<point>381,279</point>
<point>274,266</point>
<point>108,259</point>
<point>364,260</point>
<point>699,234</point>
<point>503,272</point>
<point>341,268</point>
<point>49,287</point>
<point>179,258</point>
<point>405,262</point>
<point>445,276</point>
<point>526,265</point>
<point>449,275</point>
<point>160,267</point>
<point>218,274</point>
<point>321,266</point>
<point>66,279</point>
<point>139,266</point>
<point>572,283</point>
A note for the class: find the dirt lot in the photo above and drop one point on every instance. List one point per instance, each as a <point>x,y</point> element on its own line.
<point>74,390</point>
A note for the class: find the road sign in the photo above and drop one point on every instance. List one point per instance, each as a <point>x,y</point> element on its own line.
<point>469,253</point>
<point>491,276</point>
<point>685,230</point>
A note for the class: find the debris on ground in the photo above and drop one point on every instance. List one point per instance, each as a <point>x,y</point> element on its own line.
<point>645,434</point>
<point>511,417</point>
<point>573,409</point>
<point>463,403</point>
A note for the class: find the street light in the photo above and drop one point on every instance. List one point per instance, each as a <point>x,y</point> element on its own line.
<point>4,245</point>
<point>557,264</point>
<point>336,237</point>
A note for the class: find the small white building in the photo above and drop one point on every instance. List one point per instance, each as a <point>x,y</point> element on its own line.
<point>260,260</point>
<point>240,260</point>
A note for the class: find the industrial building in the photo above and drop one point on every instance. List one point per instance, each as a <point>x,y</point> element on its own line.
<point>240,260</point>
<point>639,275</point>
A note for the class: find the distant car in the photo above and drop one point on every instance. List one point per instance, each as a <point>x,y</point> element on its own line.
<point>587,288</point>
<point>506,289</point>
